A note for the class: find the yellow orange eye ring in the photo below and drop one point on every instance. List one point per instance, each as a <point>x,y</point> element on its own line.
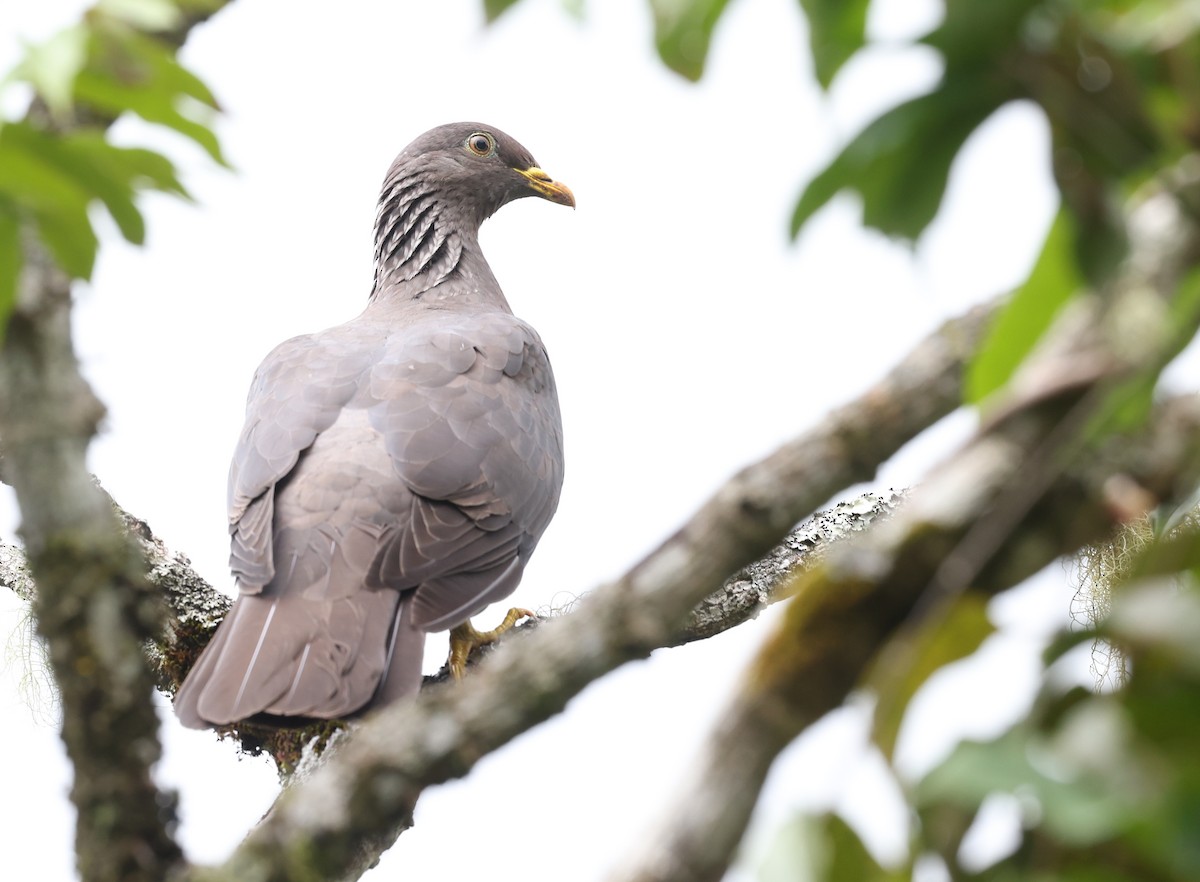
<point>481,144</point>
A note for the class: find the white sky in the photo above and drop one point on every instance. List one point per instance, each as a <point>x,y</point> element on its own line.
<point>688,337</point>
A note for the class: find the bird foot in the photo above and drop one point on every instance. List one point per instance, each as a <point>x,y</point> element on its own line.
<point>465,639</point>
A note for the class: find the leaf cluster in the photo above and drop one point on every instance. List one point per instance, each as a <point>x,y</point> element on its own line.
<point>57,161</point>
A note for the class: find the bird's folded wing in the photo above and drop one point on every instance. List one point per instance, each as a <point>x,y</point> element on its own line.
<point>297,393</point>
<point>477,422</point>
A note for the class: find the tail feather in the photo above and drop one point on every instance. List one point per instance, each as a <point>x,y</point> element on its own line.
<point>323,659</point>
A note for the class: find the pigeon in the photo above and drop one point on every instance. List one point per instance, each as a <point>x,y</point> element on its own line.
<point>395,472</point>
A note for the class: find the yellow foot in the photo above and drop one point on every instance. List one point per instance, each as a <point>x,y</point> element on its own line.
<point>464,639</point>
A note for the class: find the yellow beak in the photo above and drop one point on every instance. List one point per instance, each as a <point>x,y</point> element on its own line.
<point>546,187</point>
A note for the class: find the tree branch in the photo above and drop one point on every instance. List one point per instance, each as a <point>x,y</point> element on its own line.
<point>845,613</point>
<point>194,608</point>
<point>1032,486</point>
<point>93,607</point>
<point>747,592</point>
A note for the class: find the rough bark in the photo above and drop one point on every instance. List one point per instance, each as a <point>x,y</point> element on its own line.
<point>93,608</point>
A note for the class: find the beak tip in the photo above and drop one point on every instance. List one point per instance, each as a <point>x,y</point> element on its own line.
<point>557,192</point>
<point>548,188</point>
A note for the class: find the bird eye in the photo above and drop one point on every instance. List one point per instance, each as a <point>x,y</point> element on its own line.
<point>481,143</point>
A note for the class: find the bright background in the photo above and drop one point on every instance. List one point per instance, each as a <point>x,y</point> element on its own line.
<point>688,335</point>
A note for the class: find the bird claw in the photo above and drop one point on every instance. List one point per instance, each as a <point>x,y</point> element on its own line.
<point>464,639</point>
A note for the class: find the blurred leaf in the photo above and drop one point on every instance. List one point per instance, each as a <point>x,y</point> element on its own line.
<point>836,30</point>
<point>1176,552</point>
<point>145,15</point>
<point>1148,24</point>
<point>796,853</point>
<point>51,67</point>
<point>849,858</point>
<point>822,849</point>
<point>54,178</point>
<point>99,170</point>
<point>10,265</point>
<point>49,179</point>
<point>71,240</point>
<point>112,66</point>
<point>1183,316</point>
<point>1065,641</point>
<point>683,32</point>
<point>133,72</point>
<point>162,72</point>
<point>1094,98</point>
<point>56,204</point>
<point>1054,280</point>
<point>493,9</point>
<point>115,175</point>
<point>149,170</point>
<point>1160,615</point>
<point>973,34</point>
<point>152,106</point>
<point>1084,798</point>
<point>1165,331</point>
<point>900,162</point>
<point>952,634</point>
<point>577,9</point>
<point>86,161</point>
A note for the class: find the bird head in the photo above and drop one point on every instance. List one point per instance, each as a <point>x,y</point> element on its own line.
<point>479,166</point>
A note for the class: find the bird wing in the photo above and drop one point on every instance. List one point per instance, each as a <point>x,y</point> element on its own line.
<point>472,427</point>
<point>298,392</point>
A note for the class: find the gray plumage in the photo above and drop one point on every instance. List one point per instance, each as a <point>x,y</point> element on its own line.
<point>395,472</point>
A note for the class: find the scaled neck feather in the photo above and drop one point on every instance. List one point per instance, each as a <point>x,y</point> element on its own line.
<point>419,242</point>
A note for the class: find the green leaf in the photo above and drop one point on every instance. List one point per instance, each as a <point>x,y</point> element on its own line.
<point>115,174</point>
<point>145,15</point>
<point>165,73</point>
<point>899,163</point>
<point>849,858</point>
<point>1084,799</point>
<point>796,852</point>
<point>151,105</point>
<point>137,73</point>
<point>55,203</point>
<point>71,240</point>
<point>51,67</point>
<point>836,30</point>
<point>53,179</point>
<point>973,34</point>
<point>493,9</point>
<point>1149,24</point>
<point>822,848</point>
<point>98,170</point>
<point>87,160</point>
<point>952,634</point>
<point>1166,330</point>
<point>1054,280</point>
<point>683,32</point>
<point>10,265</point>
